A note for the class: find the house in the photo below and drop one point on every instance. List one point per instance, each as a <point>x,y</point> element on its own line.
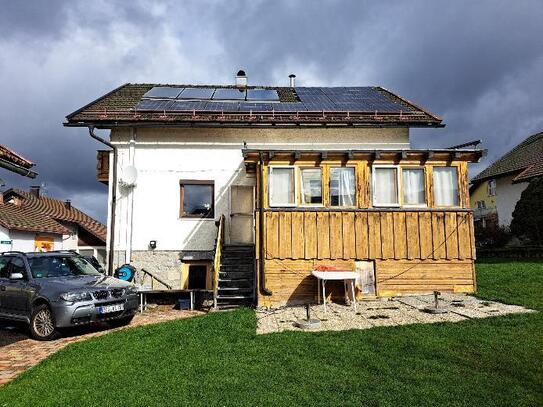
<point>495,191</point>
<point>32,222</point>
<point>244,190</point>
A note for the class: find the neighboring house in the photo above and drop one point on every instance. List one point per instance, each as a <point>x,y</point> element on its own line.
<point>16,163</point>
<point>496,190</point>
<point>31,222</point>
<point>298,177</point>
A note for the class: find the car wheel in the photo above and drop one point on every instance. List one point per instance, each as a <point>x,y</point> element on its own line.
<point>42,323</point>
<point>115,323</point>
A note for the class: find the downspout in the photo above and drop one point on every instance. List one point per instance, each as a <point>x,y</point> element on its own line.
<point>262,278</point>
<point>113,199</point>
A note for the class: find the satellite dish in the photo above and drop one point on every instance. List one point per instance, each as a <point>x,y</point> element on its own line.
<point>129,175</point>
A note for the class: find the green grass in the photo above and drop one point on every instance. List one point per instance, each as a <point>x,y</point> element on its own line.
<point>218,360</point>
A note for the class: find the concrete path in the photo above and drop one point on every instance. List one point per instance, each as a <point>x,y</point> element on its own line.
<point>384,312</point>
<point>18,352</point>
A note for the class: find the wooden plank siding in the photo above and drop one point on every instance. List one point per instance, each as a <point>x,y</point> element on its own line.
<point>346,235</point>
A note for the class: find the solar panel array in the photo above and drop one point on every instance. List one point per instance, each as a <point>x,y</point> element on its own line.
<point>353,99</point>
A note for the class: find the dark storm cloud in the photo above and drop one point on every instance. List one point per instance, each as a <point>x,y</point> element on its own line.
<point>477,64</point>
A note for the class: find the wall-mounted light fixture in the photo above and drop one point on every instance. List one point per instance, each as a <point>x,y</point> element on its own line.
<point>152,244</point>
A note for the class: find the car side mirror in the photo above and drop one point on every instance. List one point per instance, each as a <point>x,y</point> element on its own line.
<point>16,276</point>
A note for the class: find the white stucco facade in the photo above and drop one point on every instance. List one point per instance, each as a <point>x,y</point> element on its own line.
<point>507,196</point>
<point>151,209</point>
<point>24,241</point>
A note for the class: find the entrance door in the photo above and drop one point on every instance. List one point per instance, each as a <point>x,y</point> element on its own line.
<point>241,214</point>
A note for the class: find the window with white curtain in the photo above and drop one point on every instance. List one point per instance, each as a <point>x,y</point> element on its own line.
<point>311,186</point>
<point>342,186</point>
<point>445,186</point>
<point>385,186</point>
<point>282,186</point>
<point>413,186</point>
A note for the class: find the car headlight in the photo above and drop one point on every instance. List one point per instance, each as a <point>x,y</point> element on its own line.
<point>132,290</point>
<point>75,296</point>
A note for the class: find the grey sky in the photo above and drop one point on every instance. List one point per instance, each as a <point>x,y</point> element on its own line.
<point>477,64</point>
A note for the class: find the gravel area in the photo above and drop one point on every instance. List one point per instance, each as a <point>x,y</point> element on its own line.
<point>383,312</point>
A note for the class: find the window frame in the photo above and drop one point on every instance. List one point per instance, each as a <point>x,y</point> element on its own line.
<point>458,196</point>
<point>399,191</point>
<point>424,186</point>
<point>296,189</point>
<point>301,191</point>
<point>182,183</point>
<point>491,187</point>
<point>330,168</point>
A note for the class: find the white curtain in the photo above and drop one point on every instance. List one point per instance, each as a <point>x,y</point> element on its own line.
<point>343,187</point>
<point>281,186</point>
<point>445,186</point>
<point>385,186</point>
<point>413,186</point>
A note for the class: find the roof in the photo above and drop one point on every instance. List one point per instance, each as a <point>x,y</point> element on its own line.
<point>56,210</point>
<point>15,162</point>
<point>15,217</point>
<point>15,158</point>
<point>132,105</point>
<point>526,159</point>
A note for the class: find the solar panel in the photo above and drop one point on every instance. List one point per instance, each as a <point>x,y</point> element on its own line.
<point>222,106</point>
<point>229,94</point>
<point>262,94</point>
<point>166,92</point>
<point>180,105</point>
<point>196,93</point>
<point>153,105</point>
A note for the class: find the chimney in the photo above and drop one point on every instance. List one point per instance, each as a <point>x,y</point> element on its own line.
<point>68,204</point>
<point>35,190</point>
<point>292,80</point>
<point>241,79</point>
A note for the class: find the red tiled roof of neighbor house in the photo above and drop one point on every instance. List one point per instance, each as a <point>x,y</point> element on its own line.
<point>526,159</point>
<point>19,218</point>
<point>371,106</point>
<point>59,210</point>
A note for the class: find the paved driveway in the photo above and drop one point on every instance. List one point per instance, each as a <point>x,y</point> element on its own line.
<point>18,352</point>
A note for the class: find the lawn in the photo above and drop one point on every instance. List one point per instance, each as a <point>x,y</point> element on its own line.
<point>218,360</point>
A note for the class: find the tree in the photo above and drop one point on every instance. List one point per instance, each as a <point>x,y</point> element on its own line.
<point>528,214</point>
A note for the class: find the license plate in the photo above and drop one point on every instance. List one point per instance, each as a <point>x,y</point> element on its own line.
<point>106,309</point>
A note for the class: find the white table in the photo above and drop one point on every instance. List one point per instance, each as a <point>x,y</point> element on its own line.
<point>323,276</point>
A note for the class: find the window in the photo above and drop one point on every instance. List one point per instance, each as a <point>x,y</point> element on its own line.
<point>445,186</point>
<point>492,187</point>
<point>413,186</point>
<point>282,186</point>
<point>197,199</point>
<point>385,186</point>
<point>342,186</point>
<point>311,186</point>
<point>4,267</point>
<point>481,205</point>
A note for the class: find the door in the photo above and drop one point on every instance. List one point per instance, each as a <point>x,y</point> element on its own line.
<point>4,280</point>
<point>16,294</point>
<point>242,203</point>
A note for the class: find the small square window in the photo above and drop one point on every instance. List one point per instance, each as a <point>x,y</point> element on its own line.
<point>342,186</point>
<point>445,186</point>
<point>385,186</point>
<point>413,186</point>
<point>197,199</point>
<point>311,186</point>
<point>281,186</point>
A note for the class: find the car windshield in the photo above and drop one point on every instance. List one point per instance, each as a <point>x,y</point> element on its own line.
<point>59,266</point>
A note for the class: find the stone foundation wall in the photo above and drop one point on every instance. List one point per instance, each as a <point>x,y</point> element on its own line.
<point>166,265</point>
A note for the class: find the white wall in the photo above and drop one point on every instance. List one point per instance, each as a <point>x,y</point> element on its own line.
<point>24,241</point>
<point>163,157</point>
<point>507,196</point>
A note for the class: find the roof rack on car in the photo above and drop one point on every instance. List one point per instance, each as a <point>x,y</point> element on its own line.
<point>12,252</point>
<point>62,251</point>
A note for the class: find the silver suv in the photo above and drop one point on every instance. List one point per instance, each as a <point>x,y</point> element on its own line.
<point>61,289</point>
